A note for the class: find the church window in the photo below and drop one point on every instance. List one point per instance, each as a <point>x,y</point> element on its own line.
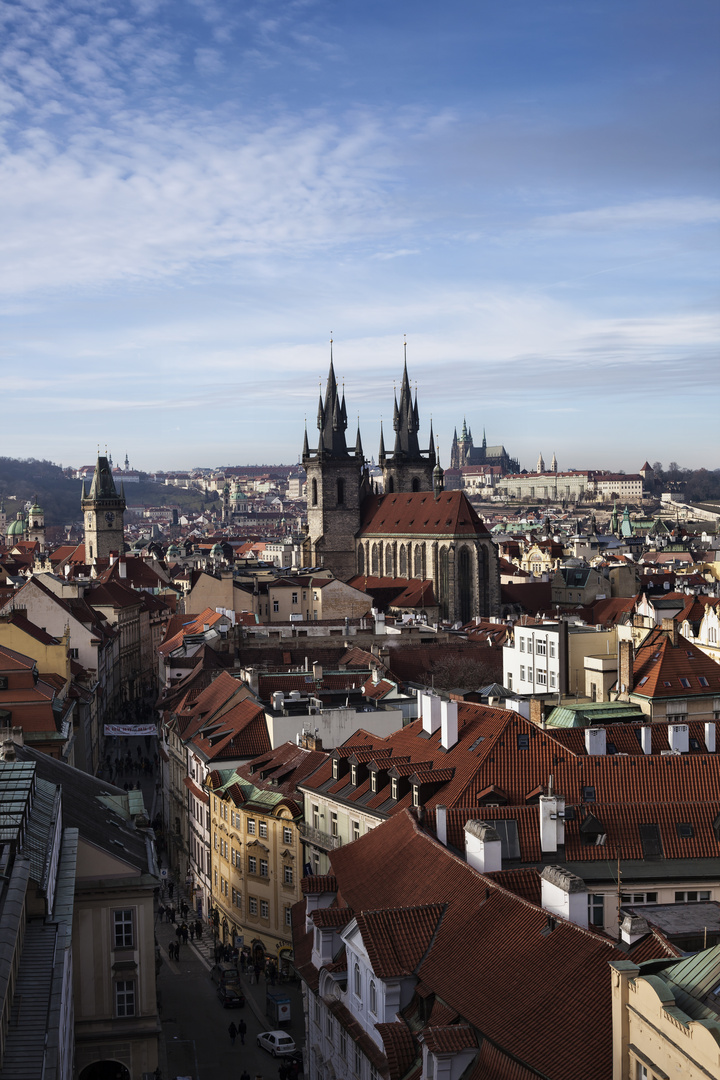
<point>465,585</point>
<point>444,581</point>
<point>375,560</point>
<point>391,485</point>
<point>389,568</point>
<point>314,492</point>
<point>403,561</point>
<point>420,561</point>
<point>415,484</point>
<point>361,560</point>
<point>340,491</point>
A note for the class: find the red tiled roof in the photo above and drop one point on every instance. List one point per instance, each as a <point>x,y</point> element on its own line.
<point>196,791</point>
<point>318,883</point>
<point>485,928</point>
<point>331,916</point>
<point>420,513</point>
<point>662,669</point>
<point>401,1048</point>
<point>397,939</point>
<point>449,1039</point>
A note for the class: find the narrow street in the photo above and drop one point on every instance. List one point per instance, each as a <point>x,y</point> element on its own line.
<point>196,1042</point>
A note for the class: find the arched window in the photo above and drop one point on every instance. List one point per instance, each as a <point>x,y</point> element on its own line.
<point>314,492</point>
<point>389,568</point>
<point>403,561</point>
<point>360,559</point>
<point>373,998</point>
<point>465,585</point>
<point>375,558</point>
<point>419,561</point>
<point>391,485</point>
<point>415,484</point>
<point>357,982</point>
<point>340,491</point>
<point>444,582</point>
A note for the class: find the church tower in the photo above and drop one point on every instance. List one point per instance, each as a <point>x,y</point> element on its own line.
<point>36,525</point>
<point>102,509</point>
<point>337,483</point>
<point>408,468</point>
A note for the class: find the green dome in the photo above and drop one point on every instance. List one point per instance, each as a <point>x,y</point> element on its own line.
<point>216,552</point>
<point>17,527</point>
<point>173,551</point>
<point>35,510</point>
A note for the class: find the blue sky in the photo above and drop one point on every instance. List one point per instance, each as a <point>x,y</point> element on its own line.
<point>196,193</point>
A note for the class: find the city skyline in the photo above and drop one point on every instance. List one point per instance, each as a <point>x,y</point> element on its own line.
<point>197,195</point>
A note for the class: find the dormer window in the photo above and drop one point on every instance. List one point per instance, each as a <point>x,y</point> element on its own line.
<point>335,768</point>
<point>373,782</point>
<point>373,998</point>
<point>394,788</point>
<point>353,775</point>
<point>416,795</point>
<point>357,983</point>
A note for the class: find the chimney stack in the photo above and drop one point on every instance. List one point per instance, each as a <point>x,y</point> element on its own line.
<point>646,739</point>
<point>627,683</point>
<point>671,629</point>
<point>710,737</point>
<point>595,740</point>
<point>564,894</point>
<point>552,822</point>
<point>441,823</point>
<point>483,850</point>
<point>430,712</point>
<point>448,724</point>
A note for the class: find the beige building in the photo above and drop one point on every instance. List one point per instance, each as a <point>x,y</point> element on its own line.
<point>666,1021</point>
<point>256,851</point>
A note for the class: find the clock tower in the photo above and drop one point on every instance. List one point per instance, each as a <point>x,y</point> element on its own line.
<point>102,509</point>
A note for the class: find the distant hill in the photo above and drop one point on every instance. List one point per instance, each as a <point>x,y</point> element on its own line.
<point>59,495</point>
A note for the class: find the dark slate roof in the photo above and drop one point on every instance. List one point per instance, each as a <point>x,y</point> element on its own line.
<point>98,810</point>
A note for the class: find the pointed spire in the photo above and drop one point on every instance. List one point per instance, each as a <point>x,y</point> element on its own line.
<point>438,477</point>
<point>431,448</point>
<point>358,445</point>
<point>381,454</point>
<point>484,442</point>
<point>306,445</point>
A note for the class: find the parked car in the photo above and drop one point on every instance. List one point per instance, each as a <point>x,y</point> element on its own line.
<point>277,1043</point>
<point>230,997</point>
<point>225,975</point>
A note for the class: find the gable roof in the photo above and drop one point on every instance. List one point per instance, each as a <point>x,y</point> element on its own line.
<point>420,513</point>
<point>667,665</point>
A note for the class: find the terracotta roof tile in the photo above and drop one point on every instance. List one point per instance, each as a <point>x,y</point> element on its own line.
<point>451,514</point>
<point>449,1039</point>
<point>396,940</point>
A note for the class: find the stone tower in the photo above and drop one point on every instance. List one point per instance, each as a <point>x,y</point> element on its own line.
<point>36,525</point>
<point>408,468</point>
<point>103,510</point>
<point>337,483</point>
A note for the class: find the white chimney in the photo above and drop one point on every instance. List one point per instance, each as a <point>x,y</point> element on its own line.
<point>448,724</point>
<point>710,737</point>
<point>278,699</point>
<point>122,566</point>
<point>632,928</point>
<point>552,822</point>
<point>113,558</point>
<point>679,737</point>
<point>646,739</point>
<point>595,740</point>
<point>483,849</point>
<point>441,823</point>
<point>317,671</point>
<point>430,708</point>
<point>564,894</point>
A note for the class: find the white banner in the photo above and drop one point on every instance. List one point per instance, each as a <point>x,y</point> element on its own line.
<point>130,729</point>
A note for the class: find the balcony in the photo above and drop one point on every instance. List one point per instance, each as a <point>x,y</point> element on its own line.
<point>319,839</point>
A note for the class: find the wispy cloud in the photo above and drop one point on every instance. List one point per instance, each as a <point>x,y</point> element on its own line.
<point>649,214</point>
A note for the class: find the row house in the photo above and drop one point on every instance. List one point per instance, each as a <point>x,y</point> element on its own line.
<point>221,726</point>
<point>256,849</point>
<point>669,676</point>
<point>60,608</point>
<point>641,796</point>
<point>411,959</point>
<point>113,963</point>
<point>550,658</point>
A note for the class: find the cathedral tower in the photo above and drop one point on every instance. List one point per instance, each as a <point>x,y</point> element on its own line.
<point>102,509</point>
<point>408,468</point>
<point>337,483</point>
<point>36,525</point>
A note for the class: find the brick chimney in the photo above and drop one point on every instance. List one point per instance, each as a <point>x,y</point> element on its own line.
<point>671,629</point>
<point>626,677</point>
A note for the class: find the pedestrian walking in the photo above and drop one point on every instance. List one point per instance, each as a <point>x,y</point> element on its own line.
<point>232,1032</point>
<point>184,931</point>
<point>192,931</point>
<point>171,886</point>
<point>242,1030</point>
<point>161,912</point>
<point>198,929</point>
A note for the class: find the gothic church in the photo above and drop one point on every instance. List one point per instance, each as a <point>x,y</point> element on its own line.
<point>414,530</point>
